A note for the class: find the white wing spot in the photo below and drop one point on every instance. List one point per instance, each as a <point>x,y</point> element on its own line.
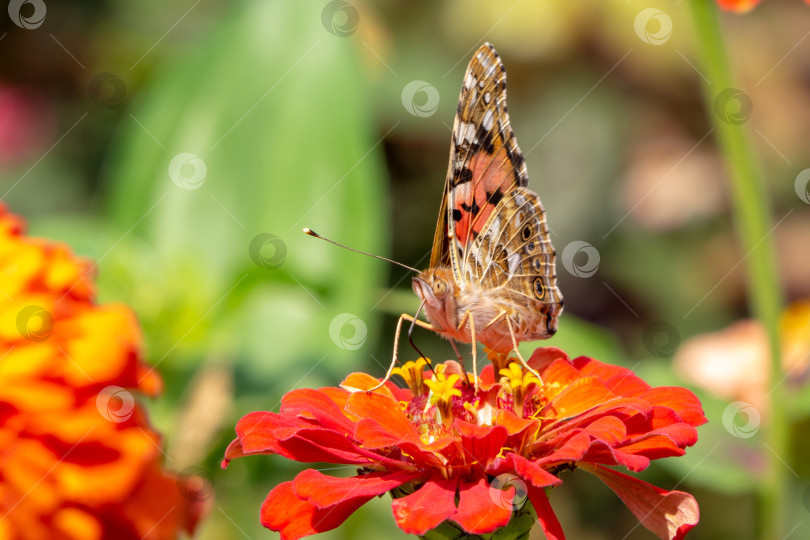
<point>469,135</point>
<point>484,59</point>
<point>513,261</point>
<point>487,121</point>
<point>487,98</point>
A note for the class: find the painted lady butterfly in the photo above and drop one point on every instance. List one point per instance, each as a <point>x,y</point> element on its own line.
<point>492,268</point>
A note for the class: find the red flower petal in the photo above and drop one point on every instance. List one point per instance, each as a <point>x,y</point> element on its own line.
<point>738,6</point>
<point>529,470</point>
<point>320,445</point>
<point>578,397</point>
<point>664,442</point>
<point>617,379</point>
<point>542,357</point>
<point>478,512</point>
<point>680,400</point>
<point>426,508</point>
<point>318,406</point>
<point>257,431</point>
<point>481,444</point>
<point>383,423</point>
<point>363,382</point>
<point>324,491</point>
<point>668,514</point>
<point>282,511</point>
<point>545,514</point>
<point>609,429</point>
<point>571,450</point>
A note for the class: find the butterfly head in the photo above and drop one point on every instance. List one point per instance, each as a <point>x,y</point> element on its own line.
<point>435,286</point>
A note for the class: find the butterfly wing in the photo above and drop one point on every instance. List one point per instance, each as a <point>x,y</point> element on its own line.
<point>487,207</point>
<point>514,261</point>
<point>484,160</point>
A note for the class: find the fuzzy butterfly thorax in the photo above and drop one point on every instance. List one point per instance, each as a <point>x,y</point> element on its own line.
<point>492,272</point>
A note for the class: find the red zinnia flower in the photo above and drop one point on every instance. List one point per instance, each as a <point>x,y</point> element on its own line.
<point>446,451</point>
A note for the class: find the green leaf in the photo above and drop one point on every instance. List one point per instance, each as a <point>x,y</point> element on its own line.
<point>273,132</point>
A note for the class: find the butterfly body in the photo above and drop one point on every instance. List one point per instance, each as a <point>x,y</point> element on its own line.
<point>492,269</point>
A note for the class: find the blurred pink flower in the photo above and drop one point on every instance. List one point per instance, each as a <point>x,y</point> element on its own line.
<point>734,362</point>
<point>26,124</point>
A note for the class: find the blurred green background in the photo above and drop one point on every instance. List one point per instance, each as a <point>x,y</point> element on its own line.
<point>184,145</point>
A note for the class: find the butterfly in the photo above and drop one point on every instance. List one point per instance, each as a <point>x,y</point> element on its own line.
<point>492,275</point>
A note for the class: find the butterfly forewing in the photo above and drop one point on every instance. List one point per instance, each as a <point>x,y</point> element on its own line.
<point>492,229</point>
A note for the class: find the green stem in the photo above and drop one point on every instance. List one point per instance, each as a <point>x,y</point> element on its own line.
<point>751,212</point>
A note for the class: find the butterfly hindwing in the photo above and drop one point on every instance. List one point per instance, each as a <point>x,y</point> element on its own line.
<point>513,254</point>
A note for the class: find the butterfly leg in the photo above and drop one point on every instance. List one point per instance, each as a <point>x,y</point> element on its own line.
<point>403,317</point>
<point>517,352</point>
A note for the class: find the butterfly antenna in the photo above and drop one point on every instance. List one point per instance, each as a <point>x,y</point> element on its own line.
<point>316,235</point>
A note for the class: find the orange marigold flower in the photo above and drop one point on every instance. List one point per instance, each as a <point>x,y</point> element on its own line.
<point>79,459</point>
<point>741,6</point>
<point>465,460</point>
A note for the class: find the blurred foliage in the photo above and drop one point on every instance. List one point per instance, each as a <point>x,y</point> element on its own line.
<point>299,125</point>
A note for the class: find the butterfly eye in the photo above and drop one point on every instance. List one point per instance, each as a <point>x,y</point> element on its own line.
<point>539,289</point>
<point>526,233</point>
<point>439,287</point>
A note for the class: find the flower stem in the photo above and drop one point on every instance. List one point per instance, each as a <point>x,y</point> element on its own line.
<point>753,221</point>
